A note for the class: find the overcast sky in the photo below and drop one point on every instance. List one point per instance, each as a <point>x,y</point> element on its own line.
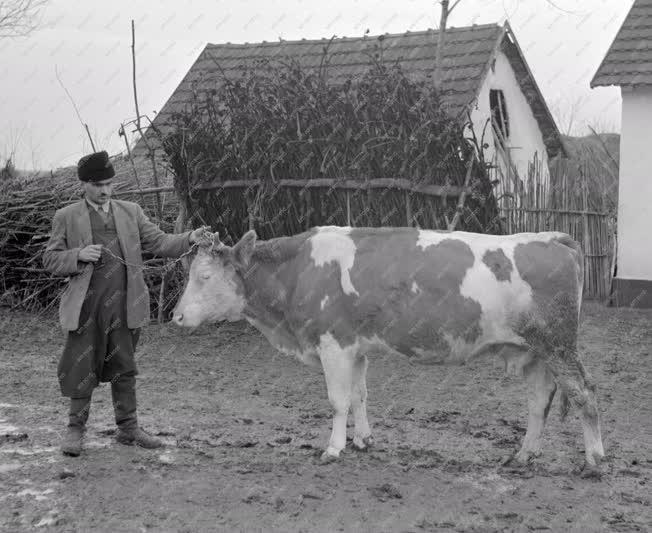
<point>89,43</point>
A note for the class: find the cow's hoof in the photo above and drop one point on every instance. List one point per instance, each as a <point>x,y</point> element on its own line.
<point>526,457</point>
<point>328,458</point>
<point>362,444</point>
<point>519,459</point>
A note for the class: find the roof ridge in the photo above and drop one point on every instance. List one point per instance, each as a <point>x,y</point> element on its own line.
<point>451,29</point>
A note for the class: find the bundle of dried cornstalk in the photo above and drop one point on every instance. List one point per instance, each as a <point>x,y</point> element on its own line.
<point>280,122</point>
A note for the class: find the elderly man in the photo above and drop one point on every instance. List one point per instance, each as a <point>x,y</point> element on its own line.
<point>97,242</point>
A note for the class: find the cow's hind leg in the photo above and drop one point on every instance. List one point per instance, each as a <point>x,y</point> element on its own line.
<point>541,391</point>
<point>362,432</point>
<point>580,391</point>
<point>338,364</point>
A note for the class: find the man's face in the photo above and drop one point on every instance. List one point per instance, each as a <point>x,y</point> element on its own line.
<point>99,191</point>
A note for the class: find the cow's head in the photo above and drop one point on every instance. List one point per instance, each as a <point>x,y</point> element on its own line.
<point>215,288</point>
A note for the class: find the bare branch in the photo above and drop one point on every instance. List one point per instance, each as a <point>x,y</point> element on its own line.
<point>450,9</point>
<point>133,70</point>
<point>18,17</point>
<point>74,105</point>
<point>550,2</point>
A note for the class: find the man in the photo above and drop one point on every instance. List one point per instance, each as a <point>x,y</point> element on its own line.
<point>97,242</point>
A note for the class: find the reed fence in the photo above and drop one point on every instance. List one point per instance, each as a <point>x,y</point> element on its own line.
<point>573,195</point>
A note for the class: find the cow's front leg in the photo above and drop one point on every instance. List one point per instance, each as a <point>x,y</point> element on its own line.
<point>362,432</point>
<point>338,365</point>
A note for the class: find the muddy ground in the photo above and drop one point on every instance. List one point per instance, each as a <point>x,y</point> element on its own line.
<point>245,427</point>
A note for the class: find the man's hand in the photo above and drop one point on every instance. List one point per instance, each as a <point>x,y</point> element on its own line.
<point>90,253</point>
<point>200,233</point>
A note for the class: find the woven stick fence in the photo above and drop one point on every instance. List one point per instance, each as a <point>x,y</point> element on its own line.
<point>574,196</point>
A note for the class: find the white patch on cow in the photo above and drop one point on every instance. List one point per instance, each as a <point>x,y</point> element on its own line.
<point>415,288</point>
<point>324,302</point>
<point>332,243</point>
<point>496,298</point>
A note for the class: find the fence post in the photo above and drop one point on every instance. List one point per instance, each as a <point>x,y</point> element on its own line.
<point>306,197</point>
<point>408,209</point>
<point>587,248</point>
<point>348,208</point>
<point>462,197</point>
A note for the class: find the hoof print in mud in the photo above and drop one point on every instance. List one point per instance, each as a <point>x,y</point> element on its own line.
<point>66,473</point>
<point>386,492</point>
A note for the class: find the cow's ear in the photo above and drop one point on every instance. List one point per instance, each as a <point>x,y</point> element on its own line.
<point>244,248</point>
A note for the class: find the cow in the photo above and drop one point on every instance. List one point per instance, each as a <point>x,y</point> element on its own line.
<point>332,295</point>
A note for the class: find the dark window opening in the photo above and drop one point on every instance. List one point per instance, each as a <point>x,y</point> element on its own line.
<point>499,117</point>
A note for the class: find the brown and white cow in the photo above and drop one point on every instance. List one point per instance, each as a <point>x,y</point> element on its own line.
<point>328,295</point>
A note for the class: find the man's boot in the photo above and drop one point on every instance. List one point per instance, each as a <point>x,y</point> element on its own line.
<point>123,390</point>
<point>77,417</point>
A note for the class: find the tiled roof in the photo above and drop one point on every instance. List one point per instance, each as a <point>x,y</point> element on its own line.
<point>629,59</point>
<point>466,59</point>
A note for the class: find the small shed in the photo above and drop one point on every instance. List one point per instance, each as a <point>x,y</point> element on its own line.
<point>484,73</point>
<point>628,64</point>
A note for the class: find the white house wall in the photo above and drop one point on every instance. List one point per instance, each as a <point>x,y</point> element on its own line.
<point>635,186</point>
<point>525,137</point>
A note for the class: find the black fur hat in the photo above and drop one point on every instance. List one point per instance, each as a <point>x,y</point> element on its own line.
<point>95,167</point>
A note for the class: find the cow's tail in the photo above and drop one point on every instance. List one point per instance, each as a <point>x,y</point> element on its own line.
<point>567,240</point>
<point>578,255</point>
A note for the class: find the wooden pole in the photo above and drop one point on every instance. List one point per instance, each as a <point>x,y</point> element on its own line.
<point>348,207</point>
<point>408,209</point>
<point>587,248</point>
<point>441,42</point>
<point>462,197</point>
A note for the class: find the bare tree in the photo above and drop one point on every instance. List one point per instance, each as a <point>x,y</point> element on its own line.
<point>567,113</point>
<point>18,17</point>
<point>446,10</point>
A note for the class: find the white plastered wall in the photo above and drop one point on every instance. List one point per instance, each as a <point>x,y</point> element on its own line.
<point>635,186</point>
<point>525,137</point>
